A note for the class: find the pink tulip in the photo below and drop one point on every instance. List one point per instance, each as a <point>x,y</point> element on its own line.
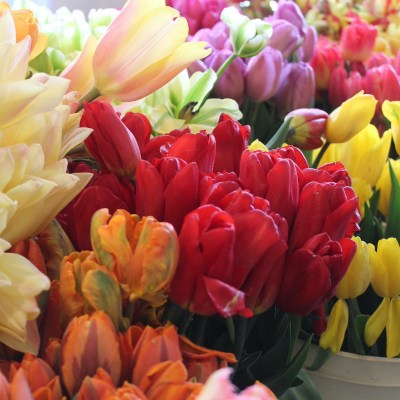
<point>342,85</point>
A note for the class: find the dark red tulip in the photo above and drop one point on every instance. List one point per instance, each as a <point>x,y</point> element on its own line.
<point>111,143</point>
<point>103,191</point>
<point>140,127</point>
<point>167,189</point>
<point>231,140</point>
<point>313,272</point>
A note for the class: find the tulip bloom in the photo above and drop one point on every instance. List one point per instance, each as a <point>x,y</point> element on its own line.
<point>383,83</point>
<point>231,140</point>
<point>297,87</point>
<point>343,85</point>
<point>354,283</point>
<point>350,118</point>
<point>313,272</point>
<point>357,41</point>
<point>285,37</point>
<point>326,57</point>
<point>143,253</point>
<point>111,143</point>
<point>131,61</point>
<point>384,185</point>
<point>306,128</point>
<point>167,189</point>
<point>391,110</point>
<point>89,342</point>
<point>385,262</point>
<point>204,277</point>
<point>263,74</point>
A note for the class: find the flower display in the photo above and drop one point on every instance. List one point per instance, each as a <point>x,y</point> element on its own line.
<point>194,193</point>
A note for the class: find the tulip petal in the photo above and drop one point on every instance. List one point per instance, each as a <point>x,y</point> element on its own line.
<point>377,322</point>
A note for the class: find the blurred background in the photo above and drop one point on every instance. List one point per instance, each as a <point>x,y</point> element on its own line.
<point>84,5</point>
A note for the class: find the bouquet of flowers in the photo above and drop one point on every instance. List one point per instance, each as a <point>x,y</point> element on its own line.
<point>168,225</point>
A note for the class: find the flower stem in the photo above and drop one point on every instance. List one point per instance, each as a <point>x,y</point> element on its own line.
<point>92,95</point>
<point>225,66</point>
<point>240,336</point>
<point>321,154</point>
<point>354,311</point>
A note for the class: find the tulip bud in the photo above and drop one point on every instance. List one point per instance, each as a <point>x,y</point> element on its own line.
<point>145,253</point>
<point>118,70</point>
<point>263,74</point>
<point>231,83</point>
<point>342,85</point>
<point>350,118</point>
<point>111,143</point>
<point>296,89</point>
<point>291,12</point>
<point>89,342</point>
<point>307,125</point>
<point>383,83</point>
<point>249,37</point>
<point>325,59</point>
<point>285,37</point>
<point>358,277</point>
<point>357,41</point>
<point>308,47</point>
<point>391,110</point>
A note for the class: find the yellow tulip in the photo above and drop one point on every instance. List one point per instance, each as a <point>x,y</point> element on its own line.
<point>391,110</point>
<point>358,276</point>
<point>385,263</point>
<point>257,145</point>
<point>27,25</point>
<point>350,117</point>
<point>384,185</point>
<point>338,320</point>
<point>20,283</point>
<point>363,191</point>
<point>142,50</point>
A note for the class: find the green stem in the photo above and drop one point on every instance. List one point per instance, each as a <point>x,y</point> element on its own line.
<point>253,119</point>
<point>92,95</point>
<point>321,154</point>
<point>225,66</point>
<point>354,311</point>
<point>240,336</point>
<point>231,329</point>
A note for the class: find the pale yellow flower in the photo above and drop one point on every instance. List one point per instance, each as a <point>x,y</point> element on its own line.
<point>384,185</point>
<point>20,283</point>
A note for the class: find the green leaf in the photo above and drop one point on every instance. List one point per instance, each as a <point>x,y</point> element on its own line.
<point>360,322</point>
<point>374,201</point>
<point>304,391</point>
<point>281,382</point>
<point>370,227</point>
<point>393,220</point>
<point>280,136</point>
<point>320,358</point>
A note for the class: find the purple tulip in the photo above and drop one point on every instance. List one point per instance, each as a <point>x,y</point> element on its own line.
<point>216,37</point>
<point>307,49</point>
<point>290,11</point>
<point>263,74</point>
<point>285,37</point>
<point>296,89</point>
<point>231,83</point>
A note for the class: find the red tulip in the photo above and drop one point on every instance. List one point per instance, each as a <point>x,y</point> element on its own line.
<point>357,41</point>
<point>342,85</point>
<point>274,178</point>
<point>205,273</point>
<point>140,127</point>
<point>313,272</point>
<point>324,208</point>
<point>384,83</point>
<point>103,191</point>
<point>167,190</point>
<point>111,143</point>
<point>326,57</point>
<point>198,148</point>
<point>231,140</point>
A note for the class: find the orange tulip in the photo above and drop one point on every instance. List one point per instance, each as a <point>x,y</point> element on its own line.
<point>154,346</point>
<point>27,25</point>
<point>142,253</point>
<point>169,381</point>
<point>19,388</point>
<point>97,386</point>
<point>30,249</point>
<point>202,362</point>
<point>89,342</point>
